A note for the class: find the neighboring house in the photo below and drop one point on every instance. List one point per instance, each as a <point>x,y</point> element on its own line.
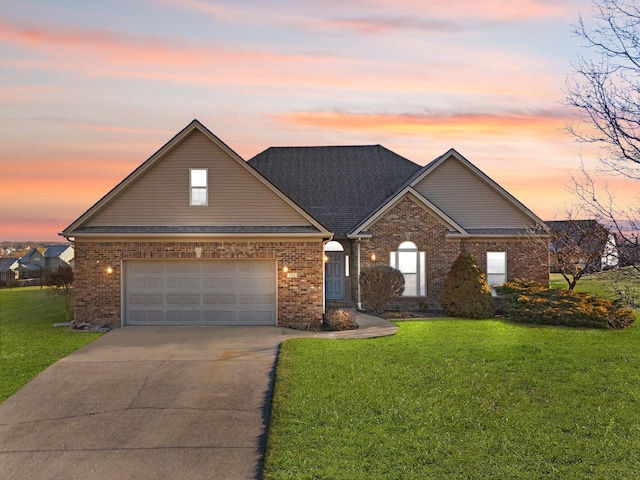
<point>37,261</point>
<point>196,235</point>
<point>594,245</point>
<point>628,249</point>
<point>8,271</point>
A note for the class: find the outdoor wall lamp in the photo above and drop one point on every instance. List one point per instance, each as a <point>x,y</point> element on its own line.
<point>373,257</point>
<point>325,259</point>
<point>109,270</point>
<point>285,269</point>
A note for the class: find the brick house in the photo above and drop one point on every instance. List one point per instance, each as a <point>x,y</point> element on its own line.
<point>198,236</point>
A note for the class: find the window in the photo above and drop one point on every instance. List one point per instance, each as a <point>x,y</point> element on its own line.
<point>496,268</point>
<point>411,263</point>
<point>198,184</point>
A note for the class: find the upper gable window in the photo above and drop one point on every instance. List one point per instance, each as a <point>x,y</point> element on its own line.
<point>199,187</point>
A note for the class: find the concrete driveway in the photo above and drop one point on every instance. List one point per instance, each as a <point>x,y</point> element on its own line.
<point>152,403</point>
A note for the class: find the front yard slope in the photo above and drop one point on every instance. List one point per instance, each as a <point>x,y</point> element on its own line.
<point>459,399</point>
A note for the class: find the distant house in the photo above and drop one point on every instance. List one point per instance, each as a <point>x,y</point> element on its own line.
<point>628,250</point>
<point>8,271</point>
<point>594,246</point>
<point>38,260</point>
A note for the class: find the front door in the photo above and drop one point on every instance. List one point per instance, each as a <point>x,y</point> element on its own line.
<point>334,276</point>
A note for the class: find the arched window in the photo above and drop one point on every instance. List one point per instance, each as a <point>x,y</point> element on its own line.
<point>333,246</point>
<point>411,263</point>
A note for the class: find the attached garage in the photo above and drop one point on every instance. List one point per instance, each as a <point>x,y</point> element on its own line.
<point>200,292</point>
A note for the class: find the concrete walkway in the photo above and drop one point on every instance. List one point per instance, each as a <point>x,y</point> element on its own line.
<point>153,403</point>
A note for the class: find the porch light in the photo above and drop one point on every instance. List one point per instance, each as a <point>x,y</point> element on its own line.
<point>373,257</point>
<point>109,270</point>
<point>325,259</point>
<point>285,269</point>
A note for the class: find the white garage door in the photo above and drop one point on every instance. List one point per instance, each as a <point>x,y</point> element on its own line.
<point>200,292</point>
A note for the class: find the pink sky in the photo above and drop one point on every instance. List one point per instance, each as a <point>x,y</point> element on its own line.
<point>91,90</point>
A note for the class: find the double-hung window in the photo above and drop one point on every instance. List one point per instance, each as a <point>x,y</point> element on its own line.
<point>198,184</point>
<point>496,268</point>
<point>411,263</point>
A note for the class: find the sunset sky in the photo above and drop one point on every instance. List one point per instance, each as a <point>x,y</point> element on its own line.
<point>90,89</point>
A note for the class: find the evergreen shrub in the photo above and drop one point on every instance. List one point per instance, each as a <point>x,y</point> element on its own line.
<point>466,292</point>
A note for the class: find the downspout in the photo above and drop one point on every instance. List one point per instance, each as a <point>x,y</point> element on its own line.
<point>324,280</point>
<point>359,298</point>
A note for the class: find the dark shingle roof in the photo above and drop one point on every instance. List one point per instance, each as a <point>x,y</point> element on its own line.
<point>338,185</point>
<point>52,251</point>
<point>7,263</point>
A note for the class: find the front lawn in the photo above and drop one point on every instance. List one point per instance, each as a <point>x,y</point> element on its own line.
<point>599,283</point>
<point>450,398</point>
<point>28,341</point>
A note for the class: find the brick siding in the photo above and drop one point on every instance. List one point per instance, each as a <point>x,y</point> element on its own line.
<point>410,221</point>
<point>98,296</point>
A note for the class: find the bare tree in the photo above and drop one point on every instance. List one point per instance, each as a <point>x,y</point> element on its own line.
<point>61,282</point>
<point>577,247</point>
<point>604,89</point>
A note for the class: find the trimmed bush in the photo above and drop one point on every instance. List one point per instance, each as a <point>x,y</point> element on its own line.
<point>380,286</point>
<point>338,319</point>
<point>465,292</point>
<point>530,302</point>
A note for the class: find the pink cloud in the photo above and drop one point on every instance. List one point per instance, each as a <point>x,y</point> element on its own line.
<point>495,124</point>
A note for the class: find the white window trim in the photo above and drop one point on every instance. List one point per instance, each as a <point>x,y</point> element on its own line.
<point>192,188</point>
<point>501,274</point>
<point>421,266</point>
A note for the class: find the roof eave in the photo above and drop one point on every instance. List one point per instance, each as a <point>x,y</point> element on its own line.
<point>198,235</point>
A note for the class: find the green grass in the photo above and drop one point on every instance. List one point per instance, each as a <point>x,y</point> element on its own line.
<point>458,399</point>
<point>599,283</point>
<point>28,341</point>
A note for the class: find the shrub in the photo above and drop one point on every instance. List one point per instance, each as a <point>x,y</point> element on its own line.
<point>529,302</point>
<point>337,319</point>
<point>380,286</point>
<point>466,292</point>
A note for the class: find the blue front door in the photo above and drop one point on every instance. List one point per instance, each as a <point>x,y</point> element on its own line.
<point>334,275</point>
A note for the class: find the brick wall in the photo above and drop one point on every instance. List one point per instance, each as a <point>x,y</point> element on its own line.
<point>98,296</point>
<point>408,220</point>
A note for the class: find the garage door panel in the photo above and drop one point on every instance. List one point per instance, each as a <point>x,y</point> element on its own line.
<point>210,282</point>
<point>265,299</point>
<point>229,282</point>
<point>207,292</point>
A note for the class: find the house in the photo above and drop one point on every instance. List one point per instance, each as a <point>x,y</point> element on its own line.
<point>8,271</point>
<point>590,245</point>
<point>38,260</point>
<point>198,236</point>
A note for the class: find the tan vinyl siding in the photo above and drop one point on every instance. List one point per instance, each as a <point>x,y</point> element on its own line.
<point>468,200</point>
<point>161,195</point>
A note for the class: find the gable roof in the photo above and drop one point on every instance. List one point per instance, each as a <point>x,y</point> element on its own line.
<point>586,234</point>
<point>339,185</point>
<point>52,251</point>
<point>506,198</point>
<point>82,226</point>
<point>457,229</point>
<point>361,229</point>
<point>7,264</point>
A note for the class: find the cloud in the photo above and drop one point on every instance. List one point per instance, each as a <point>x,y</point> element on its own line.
<point>544,122</point>
<point>384,24</point>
